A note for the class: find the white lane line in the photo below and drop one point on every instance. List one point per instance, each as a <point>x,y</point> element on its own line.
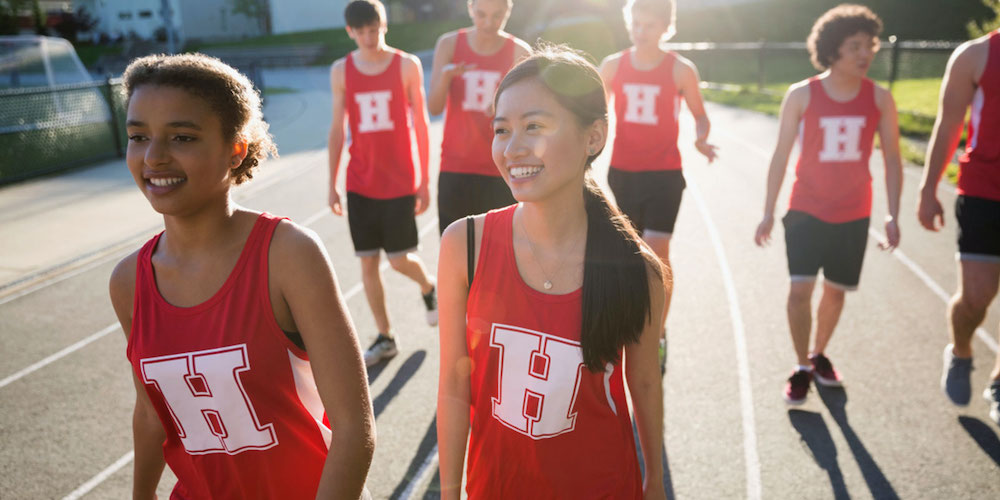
<point>936,288</point>
<point>54,357</point>
<point>127,458</point>
<point>982,334</point>
<point>100,477</point>
<point>750,456</point>
<point>422,472</point>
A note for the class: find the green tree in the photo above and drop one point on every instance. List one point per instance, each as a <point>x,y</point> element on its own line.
<point>978,29</point>
<point>254,9</point>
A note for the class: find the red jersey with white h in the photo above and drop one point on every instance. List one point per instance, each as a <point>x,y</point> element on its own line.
<point>468,128</point>
<point>542,425</point>
<point>647,106</point>
<point>381,164</point>
<point>832,180</point>
<point>236,398</point>
<point>979,172</point>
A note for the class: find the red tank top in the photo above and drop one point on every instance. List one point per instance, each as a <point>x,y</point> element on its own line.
<point>542,425</point>
<point>979,172</point>
<point>647,105</point>
<point>468,129</point>
<point>237,399</point>
<point>381,164</point>
<point>832,180</point>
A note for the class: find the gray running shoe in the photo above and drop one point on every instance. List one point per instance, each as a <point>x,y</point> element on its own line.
<point>431,303</point>
<point>992,394</point>
<point>955,377</point>
<point>663,354</point>
<point>383,348</point>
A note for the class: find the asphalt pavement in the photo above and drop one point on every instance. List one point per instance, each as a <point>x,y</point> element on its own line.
<point>66,394</point>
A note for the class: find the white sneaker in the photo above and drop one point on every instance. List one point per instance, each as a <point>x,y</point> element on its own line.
<point>383,348</point>
<point>431,303</point>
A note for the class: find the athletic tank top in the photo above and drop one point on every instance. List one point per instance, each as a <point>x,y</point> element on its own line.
<point>542,425</point>
<point>381,164</point>
<point>979,172</point>
<point>236,398</point>
<point>468,128</point>
<point>832,180</point>
<point>647,106</point>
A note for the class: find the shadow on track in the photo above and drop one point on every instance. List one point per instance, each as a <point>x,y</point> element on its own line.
<point>816,436</point>
<point>835,400</point>
<point>403,375</point>
<point>983,435</point>
<point>427,446</point>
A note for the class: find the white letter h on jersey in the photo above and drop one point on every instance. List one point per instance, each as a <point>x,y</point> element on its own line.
<point>538,381</point>
<point>374,110</point>
<point>205,396</point>
<point>479,89</point>
<point>841,138</point>
<point>640,103</point>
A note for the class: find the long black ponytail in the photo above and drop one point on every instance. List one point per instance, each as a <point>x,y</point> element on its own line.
<point>616,297</point>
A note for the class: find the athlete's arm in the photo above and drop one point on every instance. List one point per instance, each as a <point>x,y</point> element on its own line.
<point>453,380</point>
<point>305,281</point>
<point>442,71</point>
<point>957,91</point>
<point>413,76</point>
<point>147,431</point>
<point>792,107</point>
<point>686,77</point>
<point>609,66</point>
<point>335,141</point>
<point>888,135</point>
<point>642,372</point>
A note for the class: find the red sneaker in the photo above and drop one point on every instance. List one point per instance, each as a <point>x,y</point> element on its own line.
<point>824,371</point>
<point>797,387</point>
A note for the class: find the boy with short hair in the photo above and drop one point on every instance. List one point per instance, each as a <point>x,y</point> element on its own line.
<point>379,90</point>
<point>972,78</point>
<point>468,65</point>
<point>826,226</point>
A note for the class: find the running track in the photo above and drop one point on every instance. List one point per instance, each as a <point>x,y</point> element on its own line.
<point>66,394</point>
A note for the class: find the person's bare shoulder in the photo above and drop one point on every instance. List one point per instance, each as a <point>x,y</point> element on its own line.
<point>121,287</point>
<point>337,71</point>
<point>521,48</point>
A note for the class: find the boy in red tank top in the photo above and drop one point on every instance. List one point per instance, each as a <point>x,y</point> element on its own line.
<point>468,65</point>
<point>241,401</point>
<point>646,84</point>
<point>835,116</point>
<point>972,79</point>
<point>380,92</point>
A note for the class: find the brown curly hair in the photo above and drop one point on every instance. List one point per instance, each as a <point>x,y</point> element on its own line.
<point>836,25</point>
<point>225,89</point>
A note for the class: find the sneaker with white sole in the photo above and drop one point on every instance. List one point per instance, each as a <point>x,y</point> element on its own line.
<point>431,303</point>
<point>955,377</point>
<point>992,394</point>
<point>384,347</point>
<point>824,372</point>
<point>797,387</point>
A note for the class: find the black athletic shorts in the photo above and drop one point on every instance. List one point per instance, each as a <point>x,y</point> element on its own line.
<point>978,228</point>
<point>389,225</point>
<point>460,195</point>
<point>649,199</point>
<point>837,249</point>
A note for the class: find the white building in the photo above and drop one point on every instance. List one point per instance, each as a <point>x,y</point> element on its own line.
<point>191,19</point>
<point>291,16</point>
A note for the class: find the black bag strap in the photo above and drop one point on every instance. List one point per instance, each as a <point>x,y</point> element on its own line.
<point>470,231</point>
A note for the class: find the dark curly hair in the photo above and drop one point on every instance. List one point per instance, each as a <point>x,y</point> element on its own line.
<point>836,25</point>
<point>226,90</point>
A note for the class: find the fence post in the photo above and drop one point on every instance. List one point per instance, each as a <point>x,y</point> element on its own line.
<point>760,65</point>
<point>893,61</point>
<point>109,95</point>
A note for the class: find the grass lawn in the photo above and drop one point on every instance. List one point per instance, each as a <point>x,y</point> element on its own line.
<point>410,37</point>
<point>89,54</point>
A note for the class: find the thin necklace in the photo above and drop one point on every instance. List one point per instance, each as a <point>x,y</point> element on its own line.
<point>547,284</point>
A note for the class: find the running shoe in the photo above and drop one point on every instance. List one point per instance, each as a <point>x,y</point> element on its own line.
<point>663,355</point>
<point>383,348</point>
<point>992,394</point>
<point>824,372</point>
<point>431,303</point>
<point>797,387</point>
<point>955,378</point>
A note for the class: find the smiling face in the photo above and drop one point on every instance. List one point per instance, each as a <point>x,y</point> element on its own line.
<point>856,54</point>
<point>538,145</point>
<point>176,150</point>
<point>489,16</point>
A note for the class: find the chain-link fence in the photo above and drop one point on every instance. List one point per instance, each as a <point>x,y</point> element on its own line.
<point>44,129</point>
<point>47,129</point>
